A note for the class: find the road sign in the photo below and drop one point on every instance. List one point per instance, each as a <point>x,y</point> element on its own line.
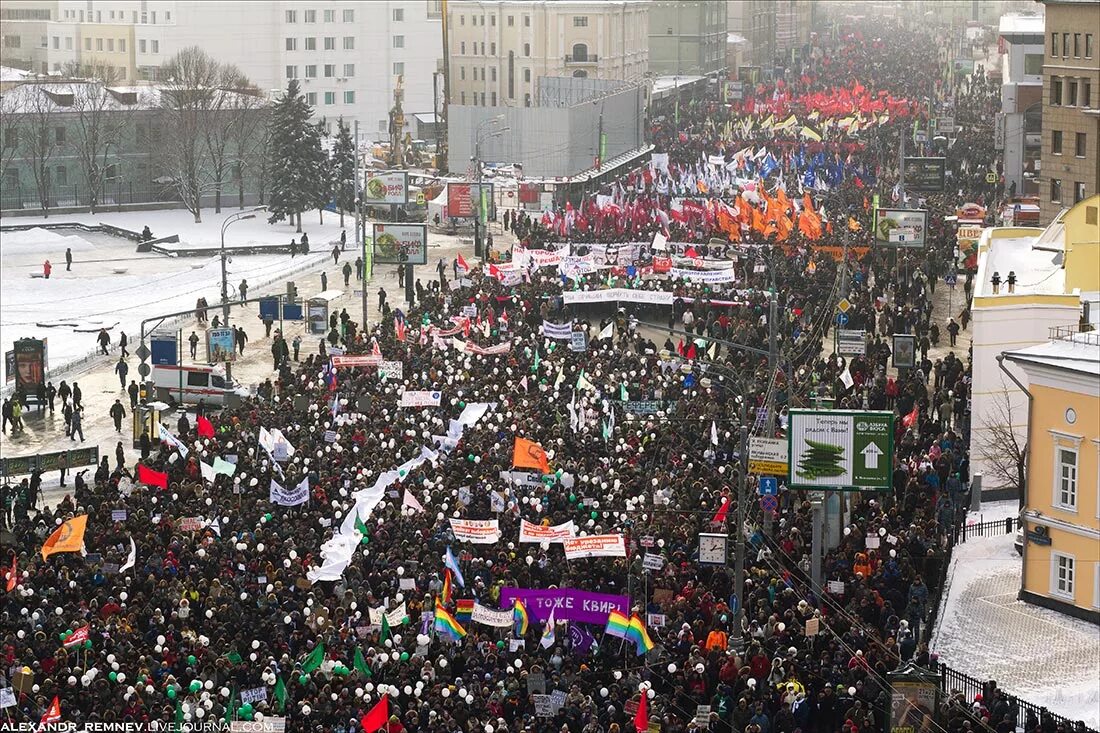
<point>842,319</point>
<point>850,342</point>
<point>769,503</point>
<point>841,449</point>
<point>769,486</point>
<point>843,305</point>
<point>951,278</point>
<point>768,456</point>
<point>143,370</point>
<point>991,177</point>
<point>142,352</point>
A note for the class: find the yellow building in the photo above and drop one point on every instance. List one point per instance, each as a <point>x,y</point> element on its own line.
<point>1061,516</point>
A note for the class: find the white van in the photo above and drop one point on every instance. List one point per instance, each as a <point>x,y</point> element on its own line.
<point>188,384</point>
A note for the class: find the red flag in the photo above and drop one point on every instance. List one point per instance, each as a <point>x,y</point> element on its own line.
<point>205,427</point>
<point>723,510</point>
<point>462,263</point>
<point>376,719</point>
<point>149,477</point>
<point>641,718</point>
<point>77,637</point>
<point>911,419</point>
<point>52,714</point>
<point>13,575</point>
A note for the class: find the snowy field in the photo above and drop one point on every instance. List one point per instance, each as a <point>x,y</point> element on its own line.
<point>113,286</point>
<point>1042,656</point>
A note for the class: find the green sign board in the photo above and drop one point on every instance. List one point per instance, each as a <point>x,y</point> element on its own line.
<point>840,449</point>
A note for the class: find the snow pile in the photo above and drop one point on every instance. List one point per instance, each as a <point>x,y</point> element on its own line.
<point>42,241</point>
<point>1041,656</point>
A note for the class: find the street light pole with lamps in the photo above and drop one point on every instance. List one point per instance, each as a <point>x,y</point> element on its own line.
<point>232,218</point>
<point>481,135</point>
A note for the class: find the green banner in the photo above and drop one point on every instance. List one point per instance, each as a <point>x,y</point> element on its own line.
<point>840,449</point>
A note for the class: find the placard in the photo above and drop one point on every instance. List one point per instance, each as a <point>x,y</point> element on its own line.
<point>7,698</point>
<point>501,619</point>
<point>656,620</point>
<point>578,341</point>
<point>391,370</point>
<point>836,587</point>
<point>407,584</point>
<point>702,716</point>
<point>601,545</point>
<point>420,398</point>
<point>568,604</point>
<point>386,187</point>
<point>536,683</point>
<point>536,533</point>
<point>256,694</point>
<point>653,562</point>
<point>813,626</point>
<point>118,515</point>
<point>191,524</point>
<point>544,708</point>
<point>476,531</point>
<point>400,244</point>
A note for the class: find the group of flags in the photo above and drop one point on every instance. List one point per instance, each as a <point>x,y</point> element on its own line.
<point>629,629</point>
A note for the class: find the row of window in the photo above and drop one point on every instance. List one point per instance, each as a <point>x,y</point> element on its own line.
<point>579,21</point>
<point>1080,143</point>
<point>330,98</point>
<point>1061,45</point>
<point>329,71</point>
<point>329,43</point>
<point>492,74</point>
<point>1056,191</point>
<point>1063,578</point>
<point>1077,91</point>
<point>146,16</point>
<point>310,16</point>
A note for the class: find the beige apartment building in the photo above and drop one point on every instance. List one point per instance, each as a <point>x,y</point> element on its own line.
<point>1071,105</point>
<point>500,48</point>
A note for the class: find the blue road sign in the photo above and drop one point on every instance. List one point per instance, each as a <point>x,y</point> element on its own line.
<point>769,486</point>
<point>769,504</point>
<point>842,319</point>
<point>951,278</point>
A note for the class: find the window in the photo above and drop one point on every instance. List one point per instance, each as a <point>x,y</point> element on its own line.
<point>330,16</point>
<point>527,21</point>
<point>349,43</point>
<point>492,73</point>
<point>462,48</point>
<point>580,21</point>
<point>87,43</point>
<point>1076,45</point>
<point>330,97</point>
<point>399,41</point>
<point>111,45</point>
<point>14,41</point>
<point>1086,93</point>
<point>292,16</point>
<point>493,20</point>
<point>1088,52</point>
<point>330,43</point>
<point>1078,191</point>
<point>122,45</point>
<point>1071,94</point>
<point>99,44</point>
<point>59,135</point>
<point>493,48</point>
<point>154,46</point>
<point>349,97</point>
<point>1079,144</point>
<point>1066,480</point>
<point>1056,190</point>
<point>68,43</point>
<point>311,43</point>
<point>349,16</point>
<point>62,176</point>
<point>311,99</point>
<point>11,140</point>
<point>292,44</point>
<point>462,20</point>
<point>1056,142</point>
<point>1055,91</point>
<point>398,15</point>
<point>141,45</point>
<point>494,99</point>
<point>526,100</point>
<point>197,379</point>
<point>57,42</point>
<point>511,21</point>
<point>462,73</point>
<point>1033,64</point>
<point>1065,45</point>
<point>435,9</point>
<point>527,75</point>
<point>310,16</point>
<point>349,70</point>
<point>580,52</point>
<point>311,71</point>
<point>463,102</point>
<point>292,72</point>
<point>399,68</point>
<point>1062,573</point>
<point>527,49</point>
<point>330,71</point>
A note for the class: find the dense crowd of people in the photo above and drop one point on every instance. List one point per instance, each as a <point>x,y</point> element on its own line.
<point>196,595</point>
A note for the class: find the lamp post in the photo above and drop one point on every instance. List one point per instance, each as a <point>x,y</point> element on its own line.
<point>482,134</point>
<point>238,216</point>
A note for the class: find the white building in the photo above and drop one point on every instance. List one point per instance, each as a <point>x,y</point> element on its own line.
<point>347,55</point>
<point>1021,115</point>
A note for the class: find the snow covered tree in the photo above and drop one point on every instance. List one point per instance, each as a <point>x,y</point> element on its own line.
<point>323,188</point>
<point>343,169</point>
<point>295,157</point>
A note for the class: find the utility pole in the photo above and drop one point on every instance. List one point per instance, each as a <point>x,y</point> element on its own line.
<point>360,233</point>
<point>479,249</point>
<point>739,532</point>
<point>599,141</point>
<point>442,125</point>
<point>818,541</point>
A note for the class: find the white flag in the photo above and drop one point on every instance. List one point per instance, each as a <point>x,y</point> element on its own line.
<point>207,471</point>
<point>411,501</point>
<point>131,561</point>
<point>607,332</point>
<point>171,440</point>
<point>713,433</point>
<point>846,379</point>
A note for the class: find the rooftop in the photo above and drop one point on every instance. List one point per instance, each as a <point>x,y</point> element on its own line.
<point>1021,24</point>
<point>1074,351</point>
<point>1036,260</point>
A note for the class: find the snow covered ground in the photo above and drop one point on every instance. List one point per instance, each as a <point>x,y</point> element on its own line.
<point>111,285</point>
<point>1041,656</point>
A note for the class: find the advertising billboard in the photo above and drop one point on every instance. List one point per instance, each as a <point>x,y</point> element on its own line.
<point>465,199</point>
<point>923,174</point>
<point>386,187</point>
<point>220,345</point>
<point>840,449</point>
<point>901,227</point>
<point>30,364</point>
<point>400,244</point>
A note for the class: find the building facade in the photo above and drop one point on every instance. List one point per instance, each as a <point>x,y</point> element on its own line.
<point>1071,108</point>
<point>777,31</point>
<point>348,56</point>
<point>1021,44</point>
<point>500,48</point>
<point>1061,516</point>
<point>687,37</point>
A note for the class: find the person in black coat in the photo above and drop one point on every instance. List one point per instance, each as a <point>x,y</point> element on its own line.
<point>117,412</point>
<point>183,425</point>
<point>145,444</point>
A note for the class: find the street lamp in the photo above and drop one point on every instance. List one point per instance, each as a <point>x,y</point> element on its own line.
<point>238,216</point>
<point>482,134</point>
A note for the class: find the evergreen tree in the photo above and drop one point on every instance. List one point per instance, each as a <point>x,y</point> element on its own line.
<point>343,169</point>
<point>322,186</point>
<point>295,145</point>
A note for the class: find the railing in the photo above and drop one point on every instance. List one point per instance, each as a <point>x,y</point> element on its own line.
<point>586,59</point>
<point>991,528</point>
<point>952,680</point>
<point>1081,333</point>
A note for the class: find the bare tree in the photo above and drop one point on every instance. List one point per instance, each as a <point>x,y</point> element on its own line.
<point>39,144</point>
<point>235,101</point>
<point>9,129</point>
<point>249,134</point>
<point>999,445</point>
<point>101,120</point>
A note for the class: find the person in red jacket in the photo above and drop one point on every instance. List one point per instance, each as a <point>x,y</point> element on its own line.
<point>47,268</point>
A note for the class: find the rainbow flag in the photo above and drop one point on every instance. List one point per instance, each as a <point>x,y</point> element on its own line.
<point>637,634</point>
<point>617,624</point>
<point>464,610</point>
<point>520,619</point>
<point>446,625</point>
<point>446,594</point>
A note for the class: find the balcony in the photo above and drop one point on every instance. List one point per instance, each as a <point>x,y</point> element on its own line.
<point>575,60</point>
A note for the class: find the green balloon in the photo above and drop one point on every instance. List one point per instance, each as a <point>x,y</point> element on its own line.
<point>268,516</point>
<point>61,636</point>
<point>191,659</point>
<point>572,498</point>
<point>462,403</point>
<point>303,679</point>
<point>594,514</point>
<point>88,644</point>
<point>500,645</point>
<point>404,656</point>
<point>171,691</point>
<point>195,686</point>
<point>245,709</point>
<point>68,632</point>
<point>113,676</point>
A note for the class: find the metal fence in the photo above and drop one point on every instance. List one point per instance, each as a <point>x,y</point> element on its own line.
<point>992,528</point>
<point>74,196</point>
<point>952,680</point>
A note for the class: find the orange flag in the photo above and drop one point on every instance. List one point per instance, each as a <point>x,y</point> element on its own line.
<point>69,537</point>
<point>529,454</point>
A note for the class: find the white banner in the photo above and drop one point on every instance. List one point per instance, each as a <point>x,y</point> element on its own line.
<point>529,532</point>
<point>491,617</point>
<point>396,617</point>
<point>703,276</point>
<point>298,495</point>
<point>420,398</point>
<point>611,295</point>
<point>476,531</point>
<point>391,370</point>
<point>559,331</point>
<point>359,360</point>
<point>601,545</point>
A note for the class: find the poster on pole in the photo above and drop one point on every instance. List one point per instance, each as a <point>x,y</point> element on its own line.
<point>767,456</point>
<point>464,200</point>
<point>840,449</point>
<point>901,227</point>
<point>220,345</point>
<point>924,174</point>
<point>317,316</point>
<point>386,187</point>
<point>400,244</point>
<point>30,364</point>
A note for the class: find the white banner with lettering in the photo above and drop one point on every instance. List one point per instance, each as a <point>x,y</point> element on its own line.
<point>712,277</point>
<point>601,545</point>
<point>420,398</point>
<point>612,295</point>
<point>491,617</point>
<point>298,495</point>
<point>476,531</point>
<point>529,532</point>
